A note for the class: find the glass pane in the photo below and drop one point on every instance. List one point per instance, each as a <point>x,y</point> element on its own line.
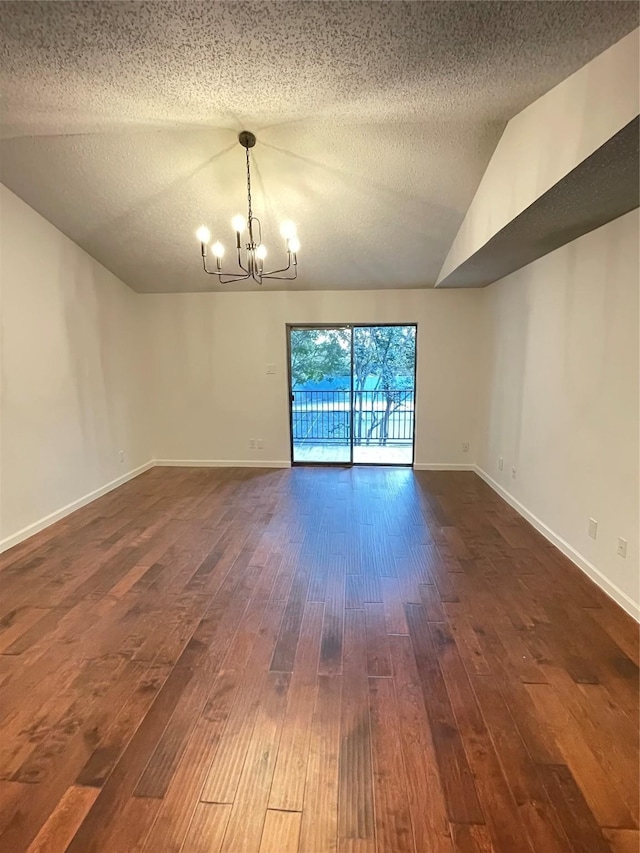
<point>384,394</point>
<point>321,389</point>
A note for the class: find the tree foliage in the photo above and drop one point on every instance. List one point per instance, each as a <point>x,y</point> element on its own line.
<point>383,358</point>
<point>385,354</point>
<point>318,354</point>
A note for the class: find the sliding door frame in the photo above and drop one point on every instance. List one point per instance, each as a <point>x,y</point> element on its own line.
<point>293,327</point>
<point>351,326</point>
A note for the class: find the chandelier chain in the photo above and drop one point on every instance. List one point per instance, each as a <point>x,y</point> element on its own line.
<point>249,188</point>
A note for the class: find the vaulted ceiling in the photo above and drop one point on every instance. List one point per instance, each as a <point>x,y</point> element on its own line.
<point>375,122</point>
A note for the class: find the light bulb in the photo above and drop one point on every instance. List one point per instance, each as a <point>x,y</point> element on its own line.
<point>261,252</point>
<point>203,234</point>
<point>294,245</point>
<point>218,249</point>
<point>238,223</point>
<point>288,229</point>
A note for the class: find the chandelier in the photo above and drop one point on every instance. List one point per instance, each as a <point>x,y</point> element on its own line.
<point>251,256</point>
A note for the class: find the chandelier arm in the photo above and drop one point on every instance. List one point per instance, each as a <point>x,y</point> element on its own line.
<point>274,272</point>
<point>232,280</point>
<point>283,277</point>
<point>240,264</point>
<point>255,219</point>
<point>221,273</point>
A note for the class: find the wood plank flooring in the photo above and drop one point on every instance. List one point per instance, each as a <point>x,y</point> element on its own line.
<point>311,660</point>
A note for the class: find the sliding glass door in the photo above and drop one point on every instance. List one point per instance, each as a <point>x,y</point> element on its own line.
<point>352,392</point>
<point>384,369</point>
<point>320,390</point>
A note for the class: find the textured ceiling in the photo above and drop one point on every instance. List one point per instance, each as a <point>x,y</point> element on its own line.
<point>375,122</point>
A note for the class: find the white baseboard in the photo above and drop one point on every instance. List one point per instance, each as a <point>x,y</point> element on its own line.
<point>443,466</point>
<point>277,463</point>
<point>613,591</point>
<point>222,463</point>
<point>31,529</point>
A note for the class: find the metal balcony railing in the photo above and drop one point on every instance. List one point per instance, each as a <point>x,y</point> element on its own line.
<point>379,417</point>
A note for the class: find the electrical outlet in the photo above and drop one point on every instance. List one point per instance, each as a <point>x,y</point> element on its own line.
<point>513,473</point>
<point>121,455</point>
<point>259,444</point>
<point>622,547</point>
<point>252,444</point>
<point>593,528</point>
<point>465,446</point>
<point>500,463</point>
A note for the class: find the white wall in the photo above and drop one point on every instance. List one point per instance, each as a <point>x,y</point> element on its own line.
<point>72,363</point>
<point>212,393</point>
<point>562,398</point>
<point>548,139</point>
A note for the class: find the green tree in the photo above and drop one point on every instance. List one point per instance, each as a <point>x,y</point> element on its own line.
<point>384,355</point>
<point>318,354</point>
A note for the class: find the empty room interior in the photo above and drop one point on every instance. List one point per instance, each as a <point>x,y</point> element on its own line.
<point>319,427</point>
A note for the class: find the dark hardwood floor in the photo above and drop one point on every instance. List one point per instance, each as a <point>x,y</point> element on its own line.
<point>311,660</point>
